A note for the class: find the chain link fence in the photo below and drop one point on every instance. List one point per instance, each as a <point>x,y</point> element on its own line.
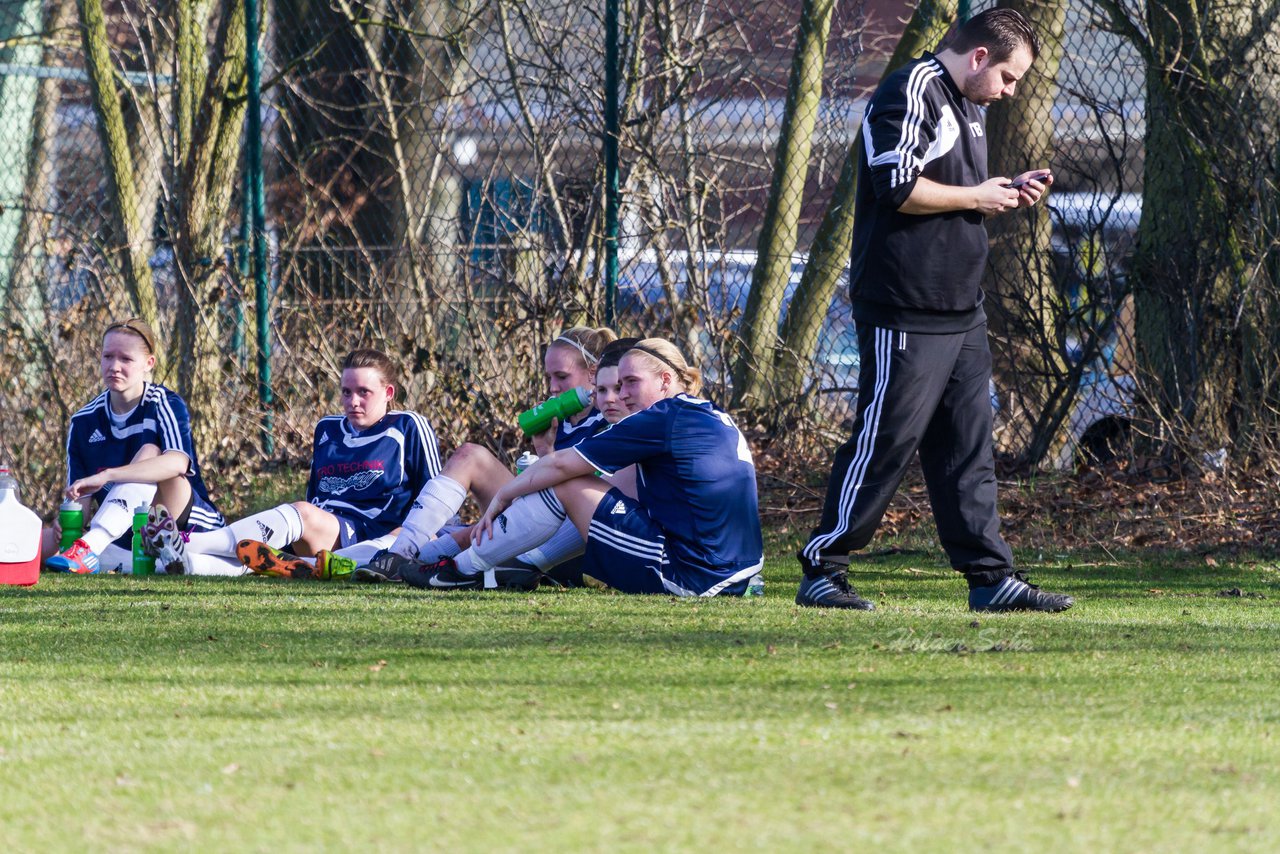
<point>435,186</point>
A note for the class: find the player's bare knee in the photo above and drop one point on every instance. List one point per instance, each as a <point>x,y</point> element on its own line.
<point>308,512</point>
<point>469,460</point>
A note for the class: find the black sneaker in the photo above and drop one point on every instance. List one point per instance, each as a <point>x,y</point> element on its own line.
<point>828,587</point>
<point>383,567</point>
<point>441,575</point>
<point>1015,593</point>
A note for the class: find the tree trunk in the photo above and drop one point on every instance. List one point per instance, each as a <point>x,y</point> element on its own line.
<point>829,254</point>
<point>1190,274</point>
<point>133,232</point>
<point>1024,307</point>
<point>758,331</point>
<point>207,179</point>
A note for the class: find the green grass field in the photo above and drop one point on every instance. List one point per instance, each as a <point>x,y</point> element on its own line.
<point>255,714</point>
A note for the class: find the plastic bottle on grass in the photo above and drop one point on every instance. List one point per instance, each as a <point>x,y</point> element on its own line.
<point>143,563</point>
<point>71,519</point>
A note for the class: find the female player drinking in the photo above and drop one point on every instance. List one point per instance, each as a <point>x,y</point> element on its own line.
<point>693,529</point>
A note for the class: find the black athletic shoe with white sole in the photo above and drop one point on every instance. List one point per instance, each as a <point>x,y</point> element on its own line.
<point>1015,593</point>
<point>441,575</point>
<point>385,566</point>
<point>828,587</point>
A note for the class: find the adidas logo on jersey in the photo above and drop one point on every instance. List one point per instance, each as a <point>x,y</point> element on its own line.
<point>119,502</point>
<point>619,509</point>
<point>324,437</point>
<point>97,437</point>
<point>502,520</point>
<point>266,532</point>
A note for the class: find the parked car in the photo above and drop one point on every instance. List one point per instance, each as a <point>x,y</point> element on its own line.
<point>1099,424</point>
<point>726,276</point>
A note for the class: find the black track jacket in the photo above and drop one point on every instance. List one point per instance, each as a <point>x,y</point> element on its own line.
<point>910,272</point>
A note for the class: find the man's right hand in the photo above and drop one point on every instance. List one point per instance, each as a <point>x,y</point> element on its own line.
<point>995,196</point>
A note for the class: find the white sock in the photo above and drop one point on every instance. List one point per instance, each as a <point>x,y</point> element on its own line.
<point>529,521</point>
<point>215,565</point>
<point>115,513</point>
<point>277,527</point>
<point>442,546</point>
<point>435,505</point>
<point>115,559</point>
<point>363,551</point>
<point>565,544</point>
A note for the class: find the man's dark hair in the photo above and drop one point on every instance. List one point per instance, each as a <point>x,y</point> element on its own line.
<point>1001,31</point>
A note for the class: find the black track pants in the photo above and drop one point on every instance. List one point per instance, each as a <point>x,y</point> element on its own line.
<point>928,393</point>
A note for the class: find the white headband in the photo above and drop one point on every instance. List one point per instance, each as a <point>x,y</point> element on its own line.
<point>590,359</point>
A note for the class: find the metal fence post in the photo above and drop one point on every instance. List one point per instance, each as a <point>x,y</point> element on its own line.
<point>238,347</point>
<point>610,159</point>
<point>253,165</point>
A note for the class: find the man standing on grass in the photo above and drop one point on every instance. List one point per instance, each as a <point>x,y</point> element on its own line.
<point>919,250</point>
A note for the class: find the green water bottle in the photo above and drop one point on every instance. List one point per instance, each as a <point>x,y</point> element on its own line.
<point>71,519</point>
<point>537,420</point>
<point>143,563</point>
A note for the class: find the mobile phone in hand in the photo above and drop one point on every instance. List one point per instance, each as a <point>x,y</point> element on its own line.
<point>1028,178</point>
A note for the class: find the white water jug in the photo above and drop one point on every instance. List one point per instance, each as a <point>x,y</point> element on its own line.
<point>20,530</point>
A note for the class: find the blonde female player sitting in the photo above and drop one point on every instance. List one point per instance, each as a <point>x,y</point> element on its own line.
<point>694,528</point>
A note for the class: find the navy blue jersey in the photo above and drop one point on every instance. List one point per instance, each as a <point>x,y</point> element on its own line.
<point>568,435</point>
<point>372,476</point>
<point>99,439</point>
<point>695,477</point>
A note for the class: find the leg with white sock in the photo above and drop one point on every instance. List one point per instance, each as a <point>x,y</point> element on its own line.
<point>527,523</point>
<point>437,503</point>
<point>205,564</point>
<point>115,513</point>
<point>530,521</point>
<point>116,559</point>
<point>565,544</point>
<point>278,527</point>
<point>363,551</point>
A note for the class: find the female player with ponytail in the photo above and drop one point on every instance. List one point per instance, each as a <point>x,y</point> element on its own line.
<point>694,528</point>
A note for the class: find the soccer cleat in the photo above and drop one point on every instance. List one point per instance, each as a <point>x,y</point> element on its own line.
<point>1015,593</point>
<point>384,566</point>
<point>77,558</point>
<point>441,575</point>
<point>828,587</point>
<point>262,559</point>
<point>330,566</point>
<point>162,540</point>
